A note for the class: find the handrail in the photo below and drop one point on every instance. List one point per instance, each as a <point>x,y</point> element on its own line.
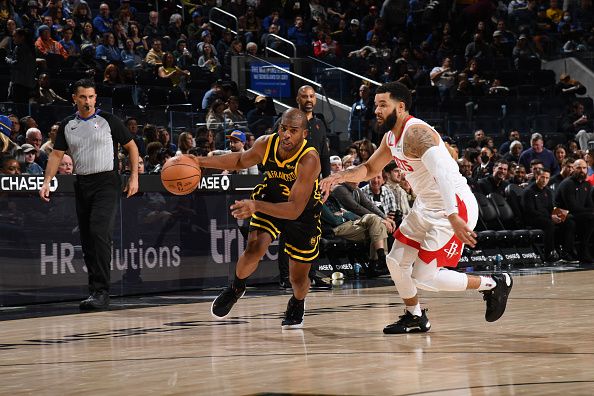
<point>278,102</point>
<point>223,26</point>
<point>333,67</point>
<point>283,40</point>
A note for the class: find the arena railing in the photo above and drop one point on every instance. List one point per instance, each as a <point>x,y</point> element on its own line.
<point>284,40</point>
<point>222,26</point>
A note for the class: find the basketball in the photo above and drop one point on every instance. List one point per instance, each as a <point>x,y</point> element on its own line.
<point>180,175</point>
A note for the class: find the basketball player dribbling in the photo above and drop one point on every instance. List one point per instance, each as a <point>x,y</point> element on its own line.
<point>431,237</point>
<point>288,201</point>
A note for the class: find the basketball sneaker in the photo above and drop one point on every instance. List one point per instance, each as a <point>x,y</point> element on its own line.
<point>409,323</point>
<point>294,314</point>
<point>97,301</point>
<point>221,306</point>
<point>496,298</point>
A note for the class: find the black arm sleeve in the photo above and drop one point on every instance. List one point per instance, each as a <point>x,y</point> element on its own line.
<point>61,144</point>
<point>119,132</point>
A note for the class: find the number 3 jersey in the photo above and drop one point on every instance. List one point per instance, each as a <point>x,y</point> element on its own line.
<point>280,175</point>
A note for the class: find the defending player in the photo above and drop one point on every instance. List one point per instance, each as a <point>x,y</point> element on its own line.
<point>433,234</point>
<point>287,201</point>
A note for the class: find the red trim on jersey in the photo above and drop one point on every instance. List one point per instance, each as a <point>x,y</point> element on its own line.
<point>406,240</point>
<point>449,254</point>
<point>402,130</point>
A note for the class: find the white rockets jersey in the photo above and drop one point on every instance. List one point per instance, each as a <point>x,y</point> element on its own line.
<point>422,182</point>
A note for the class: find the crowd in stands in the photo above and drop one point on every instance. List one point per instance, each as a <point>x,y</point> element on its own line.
<point>459,58</point>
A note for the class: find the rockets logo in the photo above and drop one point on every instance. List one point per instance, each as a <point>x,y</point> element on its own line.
<point>452,250</point>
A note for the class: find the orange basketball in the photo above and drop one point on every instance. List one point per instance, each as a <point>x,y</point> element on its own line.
<point>180,175</point>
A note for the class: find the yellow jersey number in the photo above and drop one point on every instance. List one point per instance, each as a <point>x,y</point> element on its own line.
<point>285,190</point>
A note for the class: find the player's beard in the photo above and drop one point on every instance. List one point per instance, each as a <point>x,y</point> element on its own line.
<point>388,124</point>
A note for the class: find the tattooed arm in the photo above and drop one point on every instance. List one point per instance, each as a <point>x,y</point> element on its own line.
<point>418,140</point>
<point>423,143</point>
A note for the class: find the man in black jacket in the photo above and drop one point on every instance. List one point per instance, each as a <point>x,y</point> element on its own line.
<point>495,183</point>
<point>317,130</point>
<point>574,195</point>
<point>537,205</point>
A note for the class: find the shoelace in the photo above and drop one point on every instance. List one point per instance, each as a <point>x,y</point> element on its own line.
<point>402,318</point>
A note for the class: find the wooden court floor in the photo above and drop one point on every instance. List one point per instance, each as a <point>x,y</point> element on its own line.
<point>543,345</point>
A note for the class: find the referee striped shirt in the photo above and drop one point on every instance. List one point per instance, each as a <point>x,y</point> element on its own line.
<point>92,141</point>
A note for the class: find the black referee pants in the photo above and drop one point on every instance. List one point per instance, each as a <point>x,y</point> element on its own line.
<point>97,198</point>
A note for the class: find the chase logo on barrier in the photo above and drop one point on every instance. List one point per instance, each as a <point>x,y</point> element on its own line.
<point>215,182</point>
<point>25,183</point>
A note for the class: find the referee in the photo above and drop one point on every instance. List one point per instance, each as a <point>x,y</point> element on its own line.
<point>91,137</point>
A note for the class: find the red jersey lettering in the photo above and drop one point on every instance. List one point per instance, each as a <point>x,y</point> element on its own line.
<point>403,165</point>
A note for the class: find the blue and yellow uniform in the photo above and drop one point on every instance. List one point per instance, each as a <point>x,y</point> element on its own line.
<point>302,235</point>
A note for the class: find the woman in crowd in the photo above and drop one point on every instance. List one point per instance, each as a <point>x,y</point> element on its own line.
<point>165,139</point>
<point>169,70</point>
<point>185,142</point>
<point>207,61</point>
<point>132,60</point>
<point>88,35</point>
<point>120,34</point>
<point>140,44</point>
<point>560,154</point>
<point>82,14</point>
<point>364,151</point>
<point>112,76</point>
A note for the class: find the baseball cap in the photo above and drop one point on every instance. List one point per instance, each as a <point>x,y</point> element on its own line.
<point>27,148</point>
<point>5,125</point>
<point>497,33</point>
<point>355,22</point>
<point>196,14</point>
<point>335,159</point>
<point>42,28</point>
<point>259,99</point>
<point>205,33</point>
<point>523,36</point>
<point>237,134</point>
